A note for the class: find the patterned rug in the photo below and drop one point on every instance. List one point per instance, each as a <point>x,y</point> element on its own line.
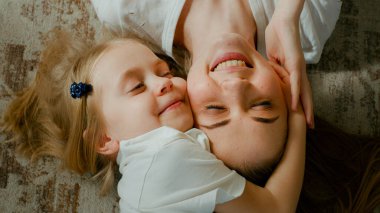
<point>346,89</point>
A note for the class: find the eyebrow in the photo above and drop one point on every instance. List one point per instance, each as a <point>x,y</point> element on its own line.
<point>217,124</point>
<point>225,122</point>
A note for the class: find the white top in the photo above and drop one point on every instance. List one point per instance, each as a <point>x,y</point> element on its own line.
<point>156,21</point>
<point>166,170</point>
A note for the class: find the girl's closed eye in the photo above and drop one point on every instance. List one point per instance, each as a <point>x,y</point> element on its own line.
<point>139,87</point>
<point>167,74</point>
<point>165,71</point>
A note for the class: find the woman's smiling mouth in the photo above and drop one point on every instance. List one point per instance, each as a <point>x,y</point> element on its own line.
<point>230,62</point>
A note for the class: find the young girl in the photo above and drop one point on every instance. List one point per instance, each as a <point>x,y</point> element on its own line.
<point>131,109</point>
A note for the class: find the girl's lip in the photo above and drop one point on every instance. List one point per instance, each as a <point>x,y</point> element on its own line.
<point>230,56</point>
<point>171,106</point>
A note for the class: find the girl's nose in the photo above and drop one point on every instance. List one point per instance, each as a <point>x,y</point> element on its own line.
<point>165,85</point>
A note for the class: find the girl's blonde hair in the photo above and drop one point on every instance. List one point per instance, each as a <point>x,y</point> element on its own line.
<point>45,120</point>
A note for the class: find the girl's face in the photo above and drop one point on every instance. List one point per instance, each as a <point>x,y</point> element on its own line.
<point>237,99</point>
<point>137,92</point>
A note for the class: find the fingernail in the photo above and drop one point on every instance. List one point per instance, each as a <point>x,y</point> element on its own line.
<point>311,124</point>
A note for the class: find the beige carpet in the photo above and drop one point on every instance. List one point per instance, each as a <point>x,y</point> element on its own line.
<point>42,187</point>
<point>346,86</point>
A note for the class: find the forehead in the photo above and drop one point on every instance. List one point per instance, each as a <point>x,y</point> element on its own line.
<point>246,141</point>
<point>123,55</point>
<point>127,51</point>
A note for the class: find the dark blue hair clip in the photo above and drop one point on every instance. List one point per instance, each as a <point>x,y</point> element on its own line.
<point>80,89</point>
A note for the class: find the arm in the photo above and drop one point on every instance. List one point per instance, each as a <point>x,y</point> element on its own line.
<point>284,46</point>
<point>282,190</point>
<point>290,9</point>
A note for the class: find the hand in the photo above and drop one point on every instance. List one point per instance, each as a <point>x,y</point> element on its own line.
<point>284,47</point>
<point>285,86</point>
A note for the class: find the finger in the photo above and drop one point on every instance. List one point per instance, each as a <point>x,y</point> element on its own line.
<point>308,109</point>
<point>274,59</point>
<point>307,103</point>
<point>281,72</point>
<point>295,88</point>
<point>285,83</point>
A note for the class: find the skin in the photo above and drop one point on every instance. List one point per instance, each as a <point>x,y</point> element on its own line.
<point>132,88</point>
<point>247,100</point>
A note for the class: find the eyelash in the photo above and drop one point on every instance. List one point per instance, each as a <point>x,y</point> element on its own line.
<point>265,104</point>
<point>167,74</point>
<point>138,86</point>
<point>215,107</point>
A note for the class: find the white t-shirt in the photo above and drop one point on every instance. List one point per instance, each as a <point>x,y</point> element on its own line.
<point>156,21</point>
<point>166,170</point>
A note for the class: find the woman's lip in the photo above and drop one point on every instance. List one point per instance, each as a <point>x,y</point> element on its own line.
<point>171,106</point>
<point>230,56</point>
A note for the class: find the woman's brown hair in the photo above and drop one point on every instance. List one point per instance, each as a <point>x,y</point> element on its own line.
<point>342,171</point>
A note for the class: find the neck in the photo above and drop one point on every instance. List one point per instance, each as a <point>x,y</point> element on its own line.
<point>204,21</point>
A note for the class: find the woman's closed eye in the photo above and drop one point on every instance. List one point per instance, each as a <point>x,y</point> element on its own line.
<point>262,105</point>
<point>215,109</point>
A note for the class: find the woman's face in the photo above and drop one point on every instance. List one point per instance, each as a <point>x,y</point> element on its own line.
<point>236,98</point>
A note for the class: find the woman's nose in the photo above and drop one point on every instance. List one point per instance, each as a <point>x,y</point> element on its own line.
<point>234,86</point>
<point>165,85</point>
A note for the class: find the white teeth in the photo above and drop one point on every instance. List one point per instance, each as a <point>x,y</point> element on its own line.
<point>230,63</point>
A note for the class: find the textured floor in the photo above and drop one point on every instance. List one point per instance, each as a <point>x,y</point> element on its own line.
<point>346,85</point>
<point>346,82</point>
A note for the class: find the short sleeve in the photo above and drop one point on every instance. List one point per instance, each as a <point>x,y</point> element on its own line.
<point>317,22</point>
